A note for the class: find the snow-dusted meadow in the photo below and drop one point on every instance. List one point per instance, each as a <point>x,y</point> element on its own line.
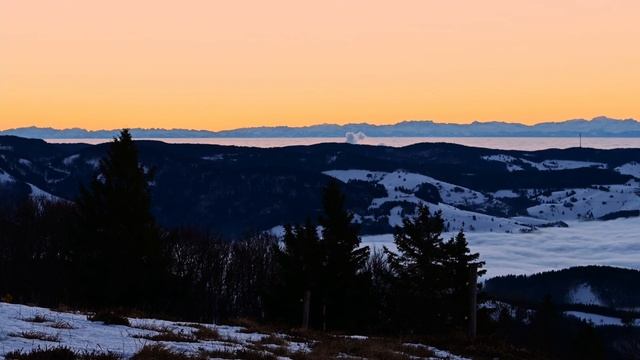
<point>613,242</point>
<point>599,320</point>
<point>77,333</point>
<point>73,331</point>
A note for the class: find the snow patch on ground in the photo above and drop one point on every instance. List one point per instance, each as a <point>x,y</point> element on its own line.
<point>566,165</point>
<point>94,163</point>
<point>69,160</point>
<point>599,320</point>
<point>39,194</point>
<point>439,354</point>
<point>632,168</point>
<point>514,164</point>
<point>583,294</point>
<point>86,335</point>
<point>505,194</point>
<point>5,177</point>
<point>508,160</point>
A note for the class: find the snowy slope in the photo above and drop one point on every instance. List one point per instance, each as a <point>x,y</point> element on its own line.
<point>401,187</point>
<point>39,194</point>
<point>632,168</point>
<point>598,320</point>
<point>5,178</point>
<point>86,335</point>
<point>515,164</point>
<point>586,204</point>
<point>74,331</point>
<point>583,294</point>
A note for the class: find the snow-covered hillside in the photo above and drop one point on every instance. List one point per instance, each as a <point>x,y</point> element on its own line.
<point>587,204</point>
<point>599,320</point>
<point>24,328</point>
<point>583,294</point>
<point>517,164</point>
<point>632,168</point>
<point>468,209</point>
<point>401,187</point>
<point>5,178</point>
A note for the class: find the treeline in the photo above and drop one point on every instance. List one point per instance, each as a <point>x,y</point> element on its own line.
<point>614,287</point>
<point>105,250</point>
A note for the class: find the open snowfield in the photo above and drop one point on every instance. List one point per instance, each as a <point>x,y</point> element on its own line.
<point>613,242</point>
<point>79,334</point>
<point>599,320</point>
<point>23,328</point>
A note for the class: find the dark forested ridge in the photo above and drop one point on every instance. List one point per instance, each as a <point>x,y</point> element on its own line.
<point>275,186</point>
<point>610,286</point>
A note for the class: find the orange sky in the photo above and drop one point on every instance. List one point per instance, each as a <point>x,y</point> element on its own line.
<point>227,64</point>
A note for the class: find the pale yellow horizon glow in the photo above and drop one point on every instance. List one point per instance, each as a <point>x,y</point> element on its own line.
<point>228,64</point>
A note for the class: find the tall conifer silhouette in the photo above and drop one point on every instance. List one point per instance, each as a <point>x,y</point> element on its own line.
<point>119,243</point>
<point>343,258</point>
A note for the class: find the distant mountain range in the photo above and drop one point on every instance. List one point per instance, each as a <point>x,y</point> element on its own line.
<point>596,127</point>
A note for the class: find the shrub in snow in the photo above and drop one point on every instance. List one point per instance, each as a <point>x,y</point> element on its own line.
<point>109,318</point>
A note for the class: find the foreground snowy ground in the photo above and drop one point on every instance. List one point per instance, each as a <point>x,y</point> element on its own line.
<point>26,328</point>
<point>613,242</point>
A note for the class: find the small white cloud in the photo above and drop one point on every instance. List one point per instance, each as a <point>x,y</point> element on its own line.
<point>355,137</point>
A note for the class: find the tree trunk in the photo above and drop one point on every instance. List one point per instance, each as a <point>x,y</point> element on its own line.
<point>305,309</point>
<point>473,298</point>
<point>324,316</point>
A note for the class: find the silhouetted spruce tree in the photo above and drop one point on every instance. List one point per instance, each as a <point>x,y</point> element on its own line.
<point>120,252</point>
<point>587,344</point>
<point>419,267</point>
<point>299,265</point>
<point>343,261</point>
<point>458,262</point>
<point>544,325</point>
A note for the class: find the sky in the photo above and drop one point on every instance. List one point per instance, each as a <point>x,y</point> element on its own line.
<point>228,64</point>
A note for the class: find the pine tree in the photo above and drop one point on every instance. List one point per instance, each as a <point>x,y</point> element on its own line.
<point>299,268</point>
<point>343,259</point>
<point>119,245</point>
<point>458,263</point>
<point>419,267</point>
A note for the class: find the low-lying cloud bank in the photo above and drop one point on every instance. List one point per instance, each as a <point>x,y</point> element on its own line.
<point>613,243</point>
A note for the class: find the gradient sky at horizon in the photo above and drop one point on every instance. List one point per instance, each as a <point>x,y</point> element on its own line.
<point>228,64</point>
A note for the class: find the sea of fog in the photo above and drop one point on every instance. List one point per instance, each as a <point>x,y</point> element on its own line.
<point>508,143</point>
<point>613,243</point>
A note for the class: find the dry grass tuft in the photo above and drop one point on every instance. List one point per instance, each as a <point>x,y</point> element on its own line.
<point>109,318</point>
<point>60,353</point>
<point>36,335</point>
<point>206,333</point>
<point>61,325</point>
<point>166,334</point>
<point>37,319</point>
<point>159,352</point>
